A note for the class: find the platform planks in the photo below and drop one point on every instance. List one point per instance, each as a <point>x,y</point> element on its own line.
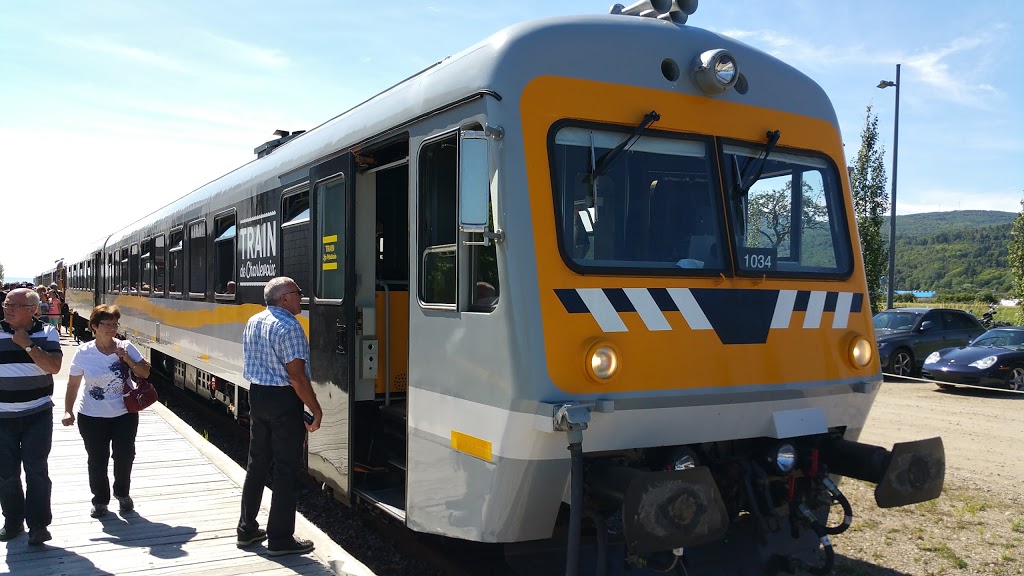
<point>186,508</point>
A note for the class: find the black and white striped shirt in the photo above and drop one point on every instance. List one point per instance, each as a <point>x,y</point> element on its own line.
<point>24,387</point>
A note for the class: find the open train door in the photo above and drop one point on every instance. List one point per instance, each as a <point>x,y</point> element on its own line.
<point>332,319</point>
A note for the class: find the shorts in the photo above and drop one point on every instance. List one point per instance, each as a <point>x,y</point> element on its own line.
<point>53,321</point>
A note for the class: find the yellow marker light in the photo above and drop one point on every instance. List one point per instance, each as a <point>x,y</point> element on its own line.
<point>603,361</point>
<point>861,352</point>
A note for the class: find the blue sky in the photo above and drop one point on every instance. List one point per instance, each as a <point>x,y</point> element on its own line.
<point>111,109</point>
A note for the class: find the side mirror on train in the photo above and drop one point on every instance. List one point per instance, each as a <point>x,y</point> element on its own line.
<point>474,182</point>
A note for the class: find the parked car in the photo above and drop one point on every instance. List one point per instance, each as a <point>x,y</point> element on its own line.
<point>995,359</point>
<point>906,336</point>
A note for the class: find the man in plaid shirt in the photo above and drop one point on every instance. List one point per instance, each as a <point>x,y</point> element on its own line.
<point>275,362</point>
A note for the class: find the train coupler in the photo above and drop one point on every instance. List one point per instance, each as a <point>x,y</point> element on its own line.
<point>912,472</point>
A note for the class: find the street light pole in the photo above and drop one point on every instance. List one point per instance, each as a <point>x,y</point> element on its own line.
<point>892,211</point>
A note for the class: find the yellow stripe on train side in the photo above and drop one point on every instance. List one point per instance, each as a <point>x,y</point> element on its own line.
<point>678,350</point>
<point>209,314</point>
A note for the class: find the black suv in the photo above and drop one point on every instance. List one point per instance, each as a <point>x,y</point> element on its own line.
<point>906,336</point>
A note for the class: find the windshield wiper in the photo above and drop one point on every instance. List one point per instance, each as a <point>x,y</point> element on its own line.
<point>756,167</point>
<point>605,161</point>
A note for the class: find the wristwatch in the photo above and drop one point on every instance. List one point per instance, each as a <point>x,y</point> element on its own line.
<point>30,347</point>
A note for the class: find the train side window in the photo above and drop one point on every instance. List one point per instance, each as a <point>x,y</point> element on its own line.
<point>197,259</point>
<point>224,256</point>
<point>438,228</point>
<point>124,279</point>
<point>295,239</point>
<point>159,266</point>
<point>146,276</point>
<point>176,259</point>
<point>135,279</point>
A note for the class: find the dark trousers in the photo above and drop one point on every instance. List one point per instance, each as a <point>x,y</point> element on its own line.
<point>101,435</point>
<point>276,435</point>
<point>25,441</point>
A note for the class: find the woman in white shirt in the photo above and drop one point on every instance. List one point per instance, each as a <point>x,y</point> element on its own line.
<point>105,424</point>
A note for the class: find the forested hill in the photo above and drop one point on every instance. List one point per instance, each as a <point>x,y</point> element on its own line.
<point>959,251</point>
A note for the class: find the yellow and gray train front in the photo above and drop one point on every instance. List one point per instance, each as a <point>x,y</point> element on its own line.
<point>704,312</point>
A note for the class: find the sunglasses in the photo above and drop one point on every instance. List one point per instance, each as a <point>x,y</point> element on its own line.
<point>299,292</point>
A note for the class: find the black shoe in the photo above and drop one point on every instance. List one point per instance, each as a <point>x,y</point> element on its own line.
<point>126,502</point>
<point>10,532</point>
<point>249,538</point>
<point>98,511</point>
<point>37,537</point>
<point>296,546</point>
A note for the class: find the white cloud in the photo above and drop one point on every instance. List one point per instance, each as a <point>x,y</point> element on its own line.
<point>111,48</point>
<point>948,199</point>
<point>249,53</point>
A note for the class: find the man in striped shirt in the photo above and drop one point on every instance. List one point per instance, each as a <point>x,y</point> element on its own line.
<point>30,355</point>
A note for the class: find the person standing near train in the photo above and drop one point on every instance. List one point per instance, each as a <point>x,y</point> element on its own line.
<point>107,427</point>
<point>30,355</point>
<point>275,362</point>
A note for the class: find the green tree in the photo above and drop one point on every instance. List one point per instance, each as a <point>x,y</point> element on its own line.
<point>1016,260</point>
<point>771,215</point>
<point>870,201</point>
<point>1,273</point>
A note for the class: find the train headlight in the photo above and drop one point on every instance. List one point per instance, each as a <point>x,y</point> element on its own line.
<point>602,361</point>
<point>781,458</point>
<point>715,71</point>
<point>861,352</point>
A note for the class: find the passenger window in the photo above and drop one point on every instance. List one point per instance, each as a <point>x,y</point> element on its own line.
<point>295,240</point>
<point>146,277</point>
<point>176,258</point>
<point>133,265</point>
<point>224,256</point>
<point>197,258</point>
<point>159,264</point>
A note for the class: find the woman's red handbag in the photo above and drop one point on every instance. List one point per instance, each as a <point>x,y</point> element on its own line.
<point>140,396</point>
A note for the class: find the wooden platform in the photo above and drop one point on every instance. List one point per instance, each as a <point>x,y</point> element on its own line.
<point>186,496</point>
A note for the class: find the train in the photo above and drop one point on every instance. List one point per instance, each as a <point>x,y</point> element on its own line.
<point>590,289</point>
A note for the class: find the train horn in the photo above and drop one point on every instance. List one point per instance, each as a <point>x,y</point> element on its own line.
<point>649,8</point>
<point>675,11</point>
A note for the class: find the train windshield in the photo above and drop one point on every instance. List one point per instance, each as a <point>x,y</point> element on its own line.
<point>655,208</point>
<point>791,219</point>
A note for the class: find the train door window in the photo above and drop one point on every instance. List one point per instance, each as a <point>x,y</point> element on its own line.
<point>108,273</point>
<point>224,256</point>
<point>134,265</point>
<point>125,282</point>
<point>331,238</point>
<point>176,261</point>
<point>159,266</point>
<point>438,224</point>
<point>295,240</point>
<point>197,259</point>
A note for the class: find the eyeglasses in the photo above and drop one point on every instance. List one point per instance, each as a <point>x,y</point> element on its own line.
<point>114,325</point>
<point>9,306</point>
<point>299,292</point>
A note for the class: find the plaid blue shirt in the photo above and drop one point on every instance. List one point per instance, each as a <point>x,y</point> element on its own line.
<point>272,339</point>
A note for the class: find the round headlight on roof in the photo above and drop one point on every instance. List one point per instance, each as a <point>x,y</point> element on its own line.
<point>715,71</point>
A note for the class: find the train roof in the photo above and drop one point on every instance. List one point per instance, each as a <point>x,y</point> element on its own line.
<point>623,49</point>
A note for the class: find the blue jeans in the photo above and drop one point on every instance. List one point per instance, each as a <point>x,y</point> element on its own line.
<point>25,441</point>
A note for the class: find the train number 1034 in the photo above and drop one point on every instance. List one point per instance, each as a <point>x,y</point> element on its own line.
<point>759,259</point>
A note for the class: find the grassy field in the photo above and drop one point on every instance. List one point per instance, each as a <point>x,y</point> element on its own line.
<point>1003,313</point>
